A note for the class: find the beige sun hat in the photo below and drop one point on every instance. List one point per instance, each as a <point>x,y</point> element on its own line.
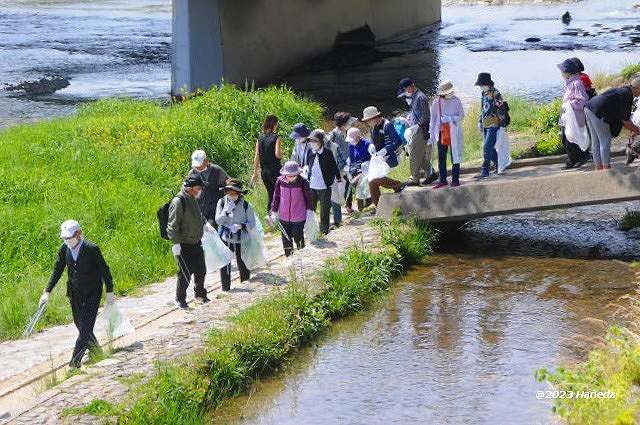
<point>369,113</point>
<point>446,88</point>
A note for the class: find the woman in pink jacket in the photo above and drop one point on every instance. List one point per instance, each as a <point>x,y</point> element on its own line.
<point>291,205</point>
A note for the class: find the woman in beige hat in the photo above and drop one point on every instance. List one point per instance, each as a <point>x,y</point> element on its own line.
<point>445,128</point>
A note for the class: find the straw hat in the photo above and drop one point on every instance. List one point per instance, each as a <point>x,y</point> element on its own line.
<point>446,88</point>
<point>369,113</point>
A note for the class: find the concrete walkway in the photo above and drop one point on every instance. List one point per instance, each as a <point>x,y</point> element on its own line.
<point>162,333</point>
<point>521,189</point>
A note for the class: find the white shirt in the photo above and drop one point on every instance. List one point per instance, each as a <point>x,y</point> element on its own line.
<point>317,180</point>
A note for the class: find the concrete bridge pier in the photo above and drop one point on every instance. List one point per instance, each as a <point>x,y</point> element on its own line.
<point>260,40</point>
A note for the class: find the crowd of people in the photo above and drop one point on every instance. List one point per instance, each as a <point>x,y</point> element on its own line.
<point>327,170</point>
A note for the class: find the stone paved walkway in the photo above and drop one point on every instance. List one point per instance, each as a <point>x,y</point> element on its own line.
<point>175,334</point>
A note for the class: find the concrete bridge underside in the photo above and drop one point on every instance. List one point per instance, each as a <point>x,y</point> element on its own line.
<point>258,40</point>
<point>522,189</point>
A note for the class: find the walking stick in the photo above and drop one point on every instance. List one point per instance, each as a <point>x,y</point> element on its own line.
<point>32,323</point>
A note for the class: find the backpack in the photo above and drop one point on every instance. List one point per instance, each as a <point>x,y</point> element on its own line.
<point>400,124</point>
<point>503,114</point>
<point>163,217</point>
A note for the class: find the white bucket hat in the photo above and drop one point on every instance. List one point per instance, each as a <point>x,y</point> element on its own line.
<point>446,88</point>
<point>369,113</point>
<point>198,158</point>
<point>69,228</point>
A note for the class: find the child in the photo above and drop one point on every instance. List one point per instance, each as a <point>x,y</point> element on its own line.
<point>291,202</point>
<point>234,215</point>
<point>323,172</point>
<point>358,155</point>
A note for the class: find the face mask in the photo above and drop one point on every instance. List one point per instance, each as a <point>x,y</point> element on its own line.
<point>198,195</point>
<point>292,179</point>
<point>300,140</point>
<point>71,243</point>
<point>316,147</point>
<point>484,88</point>
<point>233,198</point>
<point>408,100</point>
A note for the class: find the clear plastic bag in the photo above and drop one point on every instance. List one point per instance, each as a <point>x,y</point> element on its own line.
<point>116,324</point>
<point>311,227</point>
<point>216,254</point>
<point>573,131</point>
<point>252,246</point>
<point>362,189</point>
<point>378,168</point>
<point>337,192</point>
<point>503,147</point>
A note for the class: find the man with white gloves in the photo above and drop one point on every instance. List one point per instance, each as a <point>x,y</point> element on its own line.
<point>86,271</point>
<point>185,229</point>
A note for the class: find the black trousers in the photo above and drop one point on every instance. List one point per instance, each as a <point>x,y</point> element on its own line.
<point>295,231</point>
<point>85,310</point>
<point>269,178</point>
<point>191,262</point>
<point>574,153</point>
<point>324,198</point>
<point>225,272</point>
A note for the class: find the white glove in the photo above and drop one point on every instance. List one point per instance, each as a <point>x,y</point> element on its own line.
<point>310,214</point>
<point>445,119</point>
<point>176,249</point>
<point>372,149</point>
<point>382,152</point>
<point>274,215</point>
<point>234,228</point>
<point>480,126</point>
<point>305,172</point>
<point>44,299</point>
<point>109,299</point>
<point>209,228</point>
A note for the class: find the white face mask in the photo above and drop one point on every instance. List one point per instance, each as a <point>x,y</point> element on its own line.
<point>353,142</point>
<point>300,140</point>
<point>198,195</point>
<point>71,243</point>
<point>233,198</point>
<point>315,147</point>
<point>291,179</point>
<point>408,100</point>
<point>484,88</point>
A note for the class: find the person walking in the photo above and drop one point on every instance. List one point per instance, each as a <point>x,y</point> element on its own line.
<point>268,154</point>
<point>234,215</point>
<point>185,229</point>
<point>606,114</point>
<point>385,141</point>
<point>447,116</point>
<point>575,98</point>
<point>421,152</point>
<point>358,156</point>
<point>213,178</point>
<point>87,270</point>
<point>301,149</point>
<point>291,202</point>
<point>489,122</point>
<point>336,142</point>
<point>323,172</point>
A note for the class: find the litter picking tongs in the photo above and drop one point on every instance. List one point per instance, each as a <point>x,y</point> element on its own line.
<point>282,230</point>
<point>34,320</point>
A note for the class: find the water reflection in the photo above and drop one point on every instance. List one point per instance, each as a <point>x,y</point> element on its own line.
<point>456,342</point>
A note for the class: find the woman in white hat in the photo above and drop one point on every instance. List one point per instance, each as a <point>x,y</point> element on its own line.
<point>445,128</point>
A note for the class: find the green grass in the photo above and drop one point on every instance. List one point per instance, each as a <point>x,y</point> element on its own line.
<point>111,166</point>
<point>615,368</point>
<point>95,408</point>
<point>630,71</point>
<point>263,337</point>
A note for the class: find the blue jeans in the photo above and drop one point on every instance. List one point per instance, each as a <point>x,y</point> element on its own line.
<point>337,213</point>
<point>442,165</point>
<point>489,149</point>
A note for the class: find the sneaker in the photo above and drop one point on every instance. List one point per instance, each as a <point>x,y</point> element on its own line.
<point>440,185</point>
<point>481,176</point>
<point>203,300</point>
<point>568,166</point>
<point>181,304</point>
<point>455,184</point>
<point>401,188</point>
<point>411,182</point>
<point>432,178</point>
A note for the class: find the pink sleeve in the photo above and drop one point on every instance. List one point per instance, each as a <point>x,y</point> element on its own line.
<point>576,95</point>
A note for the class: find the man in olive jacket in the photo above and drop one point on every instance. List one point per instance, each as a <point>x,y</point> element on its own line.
<point>86,270</point>
<point>185,229</point>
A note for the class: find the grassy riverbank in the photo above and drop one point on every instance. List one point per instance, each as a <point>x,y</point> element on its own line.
<point>263,337</point>
<point>111,166</point>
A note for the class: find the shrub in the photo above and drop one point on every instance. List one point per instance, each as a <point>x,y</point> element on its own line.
<point>630,71</point>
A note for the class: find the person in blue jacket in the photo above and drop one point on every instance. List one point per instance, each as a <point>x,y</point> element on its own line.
<point>358,155</point>
<point>385,141</point>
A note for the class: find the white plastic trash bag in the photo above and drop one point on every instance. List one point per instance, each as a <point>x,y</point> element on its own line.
<point>503,147</point>
<point>252,249</point>
<point>216,254</point>
<point>337,192</point>
<point>572,130</point>
<point>311,227</point>
<point>378,168</point>
<point>116,324</point>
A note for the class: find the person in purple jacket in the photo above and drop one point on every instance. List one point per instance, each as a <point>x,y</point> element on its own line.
<point>291,204</point>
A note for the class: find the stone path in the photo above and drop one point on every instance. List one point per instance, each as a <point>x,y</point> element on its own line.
<point>175,334</point>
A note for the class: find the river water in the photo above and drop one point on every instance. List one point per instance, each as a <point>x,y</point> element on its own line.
<point>122,48</point>
<point>458,340</point>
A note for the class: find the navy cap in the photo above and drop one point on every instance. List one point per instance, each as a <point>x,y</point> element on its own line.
<point>404,83</point>
<point>300,130</point>
<point>193,180</point>
<point>569,66</point>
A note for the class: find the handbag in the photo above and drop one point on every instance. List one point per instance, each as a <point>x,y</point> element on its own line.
<point>445,129</point>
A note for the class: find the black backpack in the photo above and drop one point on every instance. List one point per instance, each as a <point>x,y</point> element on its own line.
<point>163,217</point>
<point>503,114</point>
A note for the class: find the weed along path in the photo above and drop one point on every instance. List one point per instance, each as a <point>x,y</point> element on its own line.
<point>162,333</point>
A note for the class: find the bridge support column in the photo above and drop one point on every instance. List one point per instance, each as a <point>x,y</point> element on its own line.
<point>197,46</point>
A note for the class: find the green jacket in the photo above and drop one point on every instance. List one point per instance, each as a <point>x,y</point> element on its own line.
<point>185,219</point>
